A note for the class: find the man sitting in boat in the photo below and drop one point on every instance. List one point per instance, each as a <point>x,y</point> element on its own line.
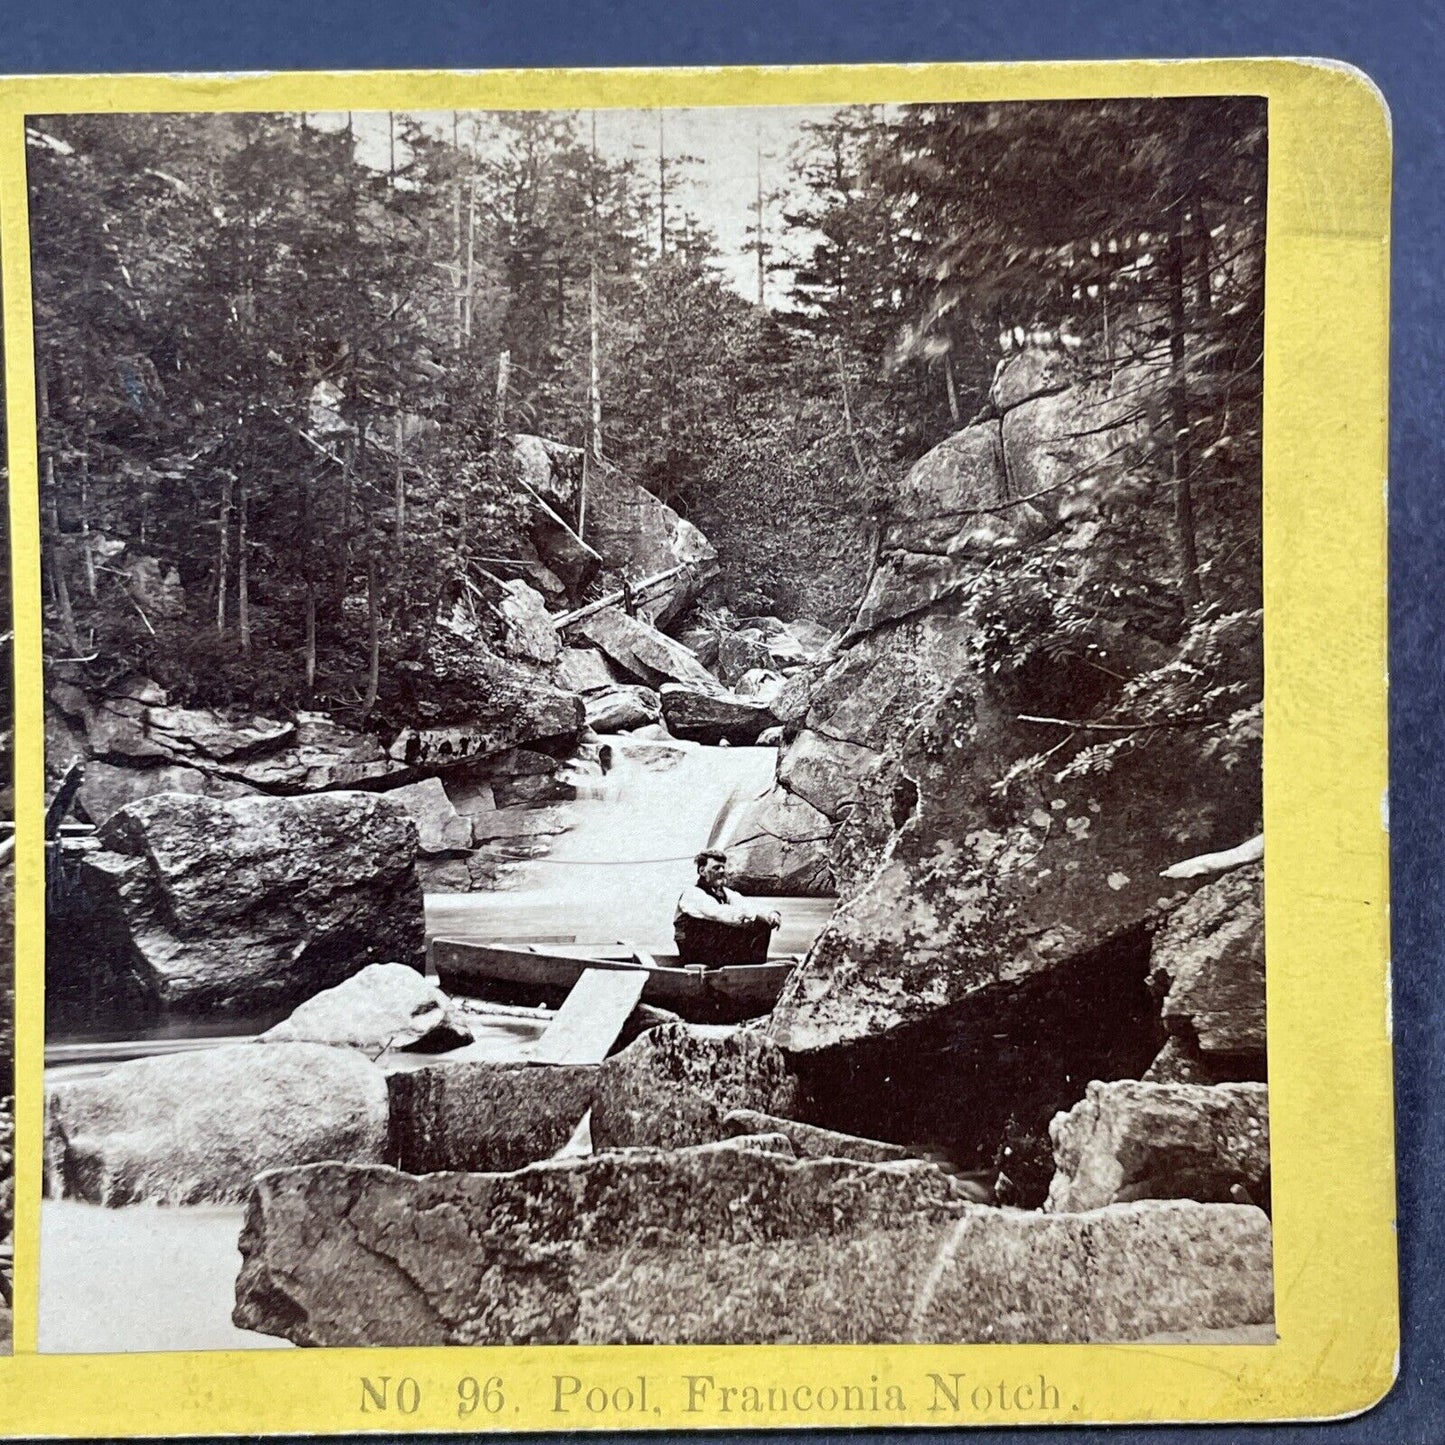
<point>715,926</point>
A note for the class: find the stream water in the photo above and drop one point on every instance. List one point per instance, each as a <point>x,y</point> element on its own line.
<point>148,1278</point>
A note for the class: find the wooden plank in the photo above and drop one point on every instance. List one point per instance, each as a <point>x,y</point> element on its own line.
<point>588,1023</point>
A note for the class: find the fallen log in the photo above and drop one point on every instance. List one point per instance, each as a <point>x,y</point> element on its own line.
<point>639,591</point>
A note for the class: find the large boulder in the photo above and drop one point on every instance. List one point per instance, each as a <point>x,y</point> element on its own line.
<point>974,894</point>
<point>839,723</point>
<point>811,1142</point>
<point>622,707</point>
<point>462,684</point>
<point>551,469</point>
<point>485,1115</point>
<point>708,716</point>
<point>759,684</point>
<point>951,504</point>
<point>584,670</point>
<point>778,844</point>
<point>528,632</point>
<point>196,1128</point>
<point>440,829</point>
<point>702,642</point>
<point>675,1084</point>
<point>111,728</point>
<point>727,1244</point>
<point>995,956</point>
<point>1055,441</point>
<point>198,904</point>
<point>1126,1140</point>
<point>107,788</point>
<point>628,530</point>
<point>740,652</point>
<point>385,1006</point>
<point>641,652</point>
<point>322,755</point>
<point>224,736</point>
<point>826,773</point>
<point>1034,371</point>
<point>1208,962</point>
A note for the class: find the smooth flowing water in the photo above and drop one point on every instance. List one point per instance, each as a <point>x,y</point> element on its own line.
<point>149,1278</point>
<point>615,875</point>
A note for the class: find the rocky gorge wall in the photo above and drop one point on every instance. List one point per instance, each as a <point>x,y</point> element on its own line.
<point>991,952</point>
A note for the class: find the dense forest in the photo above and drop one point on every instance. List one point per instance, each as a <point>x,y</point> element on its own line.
<point>281,374</point>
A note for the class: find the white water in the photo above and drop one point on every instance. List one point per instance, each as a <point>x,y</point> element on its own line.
<point>148,1278</point>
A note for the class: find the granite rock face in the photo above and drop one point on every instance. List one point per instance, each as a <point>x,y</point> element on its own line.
<point>528,633</point>
<point>198,1127</point>
<point>385,1006</point>
<point>674,1085</point>
<point>485,1116</point>
<point>810,1142</point>
<point>628,529</point>
<point>1208,962</point>
<point>622,707</point>
<point>440,829</point>
<point>463,705</point>
<point>1004,481</point>
<point>642,653</point>
<point>781,847</point>
<point>998,950</point>
<point>973,896</point>
<point>713,717</point>
<point>727,1243</point>
<point>838,727</point>
<point>1126,1141</point>
<point>584,670</point>
<point>199,904</point>
<point>108,788</point>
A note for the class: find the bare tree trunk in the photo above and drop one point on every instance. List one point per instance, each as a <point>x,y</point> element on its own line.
<point>953,410</point>
<point>848,418</point>
<point>348,458</point>
<point>456,235</point>
<point>1203,287</point>
<point>373,634</point>
<point>661,188</point>
<point>57,563</point>
<point>86,555</point>
<point>1181,458</point>
<point>243,573</point>
<point>582,493</point>
<point>399,499</point>
<point>499,418</point>
<point>594,382</point>
<point>223,554</point>
<point>758,227</point>
<point>468,298</point>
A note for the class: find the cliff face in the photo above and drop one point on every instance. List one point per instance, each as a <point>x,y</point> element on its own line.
<point>1008,480</point>
<point>996,914</point>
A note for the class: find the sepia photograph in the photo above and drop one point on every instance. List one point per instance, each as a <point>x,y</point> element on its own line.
<point>653,725</point>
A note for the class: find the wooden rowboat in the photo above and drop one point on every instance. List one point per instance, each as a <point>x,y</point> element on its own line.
<point>531,973</point>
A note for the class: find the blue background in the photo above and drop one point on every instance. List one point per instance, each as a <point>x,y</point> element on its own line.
<point>1401,47</point>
